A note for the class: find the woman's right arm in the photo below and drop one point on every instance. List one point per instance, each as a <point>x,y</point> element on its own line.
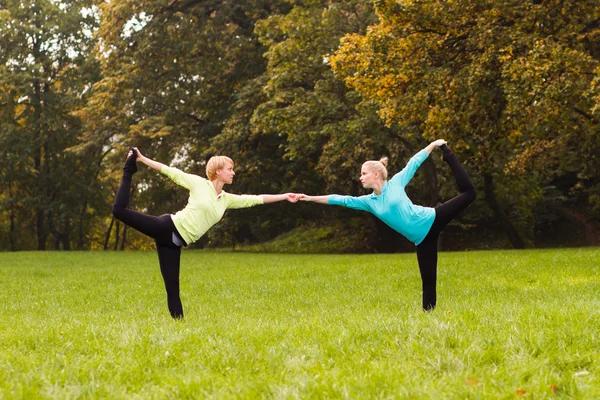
<point>355,203</point>
<point>403,177</point>
<point>150,163</point>
<point>315,199</point>
<point>177,176</point>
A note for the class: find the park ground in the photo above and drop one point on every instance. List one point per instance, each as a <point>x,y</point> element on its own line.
<point>509,324</point>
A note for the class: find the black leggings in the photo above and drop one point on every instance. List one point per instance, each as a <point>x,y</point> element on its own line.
<point>161,229</point>
<point>427,251</point>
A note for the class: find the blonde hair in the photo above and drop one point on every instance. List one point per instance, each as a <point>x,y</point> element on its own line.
<point>216,163</point>
<point>378,166</point>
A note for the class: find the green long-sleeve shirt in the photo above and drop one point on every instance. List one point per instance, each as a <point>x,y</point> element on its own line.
<point>204,207</point>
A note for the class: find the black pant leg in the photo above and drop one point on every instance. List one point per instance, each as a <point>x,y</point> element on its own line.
<point>460,175</point>
<point>427,256</point>
<point>147,224</point>
<point>169,257</point>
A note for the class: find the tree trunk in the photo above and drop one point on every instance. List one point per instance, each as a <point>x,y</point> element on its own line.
<point>431,183</point>
<point>80,234</point>
<point>490,197</point>
<point>66,237</point>
<point>66,243</point>
<point>40,229</point>
<point>12,233</point>
<point>107,237</point>
<point>13,246</point>
<point>37,159</point>
<point>432,189</point>
<point>38,155</point>
<point>430,173</point>
<point>60,237</point>
<point>124,238</point>
<point>117,236</point>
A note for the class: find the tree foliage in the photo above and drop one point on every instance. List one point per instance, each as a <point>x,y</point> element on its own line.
<point>299,94</point>
<point>45,67</point>
<point>513,85</point>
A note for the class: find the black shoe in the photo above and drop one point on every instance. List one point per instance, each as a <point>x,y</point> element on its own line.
<point>131,164</point>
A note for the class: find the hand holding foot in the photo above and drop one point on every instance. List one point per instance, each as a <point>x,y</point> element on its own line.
<point>437,143</point>
<point>130,164</point>
<point>137,152</point>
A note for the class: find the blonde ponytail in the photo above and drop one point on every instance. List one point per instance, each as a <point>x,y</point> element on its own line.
<point>378,166</point>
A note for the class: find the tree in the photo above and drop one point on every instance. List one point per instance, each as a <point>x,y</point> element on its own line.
<point>329,131</point>
<point>507,83</point>
<point>44,70</point>
<point>171,72</point>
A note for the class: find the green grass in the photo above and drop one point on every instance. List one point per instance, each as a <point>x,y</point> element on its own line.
<point>509,324</point>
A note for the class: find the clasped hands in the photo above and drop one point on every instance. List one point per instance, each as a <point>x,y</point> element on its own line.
<point>294,197</point>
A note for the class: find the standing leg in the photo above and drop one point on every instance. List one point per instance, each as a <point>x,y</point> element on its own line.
<point>427,256</point>
<point>169,257</point>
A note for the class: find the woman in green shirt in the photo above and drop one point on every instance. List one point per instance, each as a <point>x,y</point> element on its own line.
<point>206,205</point>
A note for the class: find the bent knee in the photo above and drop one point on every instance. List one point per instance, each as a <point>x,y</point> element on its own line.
<point>117,211</point>
<point>471,194</point>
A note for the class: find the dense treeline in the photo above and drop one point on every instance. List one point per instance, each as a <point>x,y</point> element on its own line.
<point>299,94</point>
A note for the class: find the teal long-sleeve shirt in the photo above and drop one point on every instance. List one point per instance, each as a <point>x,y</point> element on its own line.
<point>204,207</point>
<point>393,206</point>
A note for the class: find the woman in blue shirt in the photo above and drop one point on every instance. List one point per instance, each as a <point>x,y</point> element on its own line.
<point>420,225</point>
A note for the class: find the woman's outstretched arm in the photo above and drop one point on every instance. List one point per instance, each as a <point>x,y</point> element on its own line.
<point>250,200</point>
<point>272,198</point>
<point>316,199</point>
<point>403,177</point>
<point>145,160</point>
<point>355,203</point>
<point>179,177</point>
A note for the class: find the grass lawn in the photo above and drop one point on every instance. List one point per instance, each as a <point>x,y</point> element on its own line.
<point>509,324</point>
